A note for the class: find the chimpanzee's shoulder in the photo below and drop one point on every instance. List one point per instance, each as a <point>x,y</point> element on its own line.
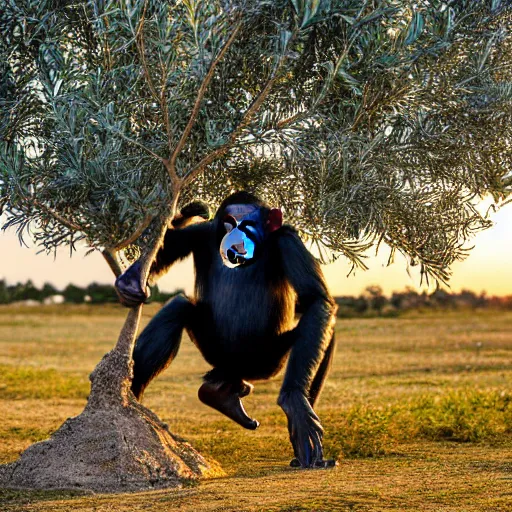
<point>287,234</point>
<point>286,230</point>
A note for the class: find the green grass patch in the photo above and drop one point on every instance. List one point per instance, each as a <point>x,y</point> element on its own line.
<point>371,430</point>
<point>17,382</point>
<point>23,434</point>
<point>461,415</point>
<point>464,416</point>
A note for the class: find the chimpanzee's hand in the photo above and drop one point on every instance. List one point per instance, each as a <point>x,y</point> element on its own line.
<point>128,287</point>
<point>305,430</point>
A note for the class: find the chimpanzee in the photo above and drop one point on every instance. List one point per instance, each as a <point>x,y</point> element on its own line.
<point>251,273</point>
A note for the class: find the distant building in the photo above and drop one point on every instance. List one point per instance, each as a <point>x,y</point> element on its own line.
<point>54,299</point>
<point>28,302</point>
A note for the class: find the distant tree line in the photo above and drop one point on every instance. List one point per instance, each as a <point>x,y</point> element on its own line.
<point>372,302</point>
<point>94,293</point>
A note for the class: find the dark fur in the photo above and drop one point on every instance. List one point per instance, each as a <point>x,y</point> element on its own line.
<point>242,319</point>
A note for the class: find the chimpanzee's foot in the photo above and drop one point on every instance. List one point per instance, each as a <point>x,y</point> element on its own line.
<point>245,389</point>
<point>225,398</point>
<point>329,463</point>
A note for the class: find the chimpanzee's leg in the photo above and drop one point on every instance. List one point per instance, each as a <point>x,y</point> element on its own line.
<point>225,385</point>
<point>159,342</point>
<point>321,373</point>
<point>314,393</point>
<point>223,393</point>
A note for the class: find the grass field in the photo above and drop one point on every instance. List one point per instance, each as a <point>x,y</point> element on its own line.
<point>417,410</point>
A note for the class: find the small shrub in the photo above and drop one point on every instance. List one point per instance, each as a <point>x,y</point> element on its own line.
<point>365,431</point>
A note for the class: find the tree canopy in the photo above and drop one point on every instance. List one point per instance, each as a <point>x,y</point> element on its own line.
<point>368,121</point>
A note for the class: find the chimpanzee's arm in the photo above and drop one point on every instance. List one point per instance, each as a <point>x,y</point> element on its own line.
<point>312,337</point>
<point>178,244</point>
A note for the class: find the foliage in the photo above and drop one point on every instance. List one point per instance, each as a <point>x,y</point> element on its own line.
<point>367,121</point>
<point>73,294</point>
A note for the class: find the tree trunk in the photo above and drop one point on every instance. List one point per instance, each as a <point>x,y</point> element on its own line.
<point>116,444</point>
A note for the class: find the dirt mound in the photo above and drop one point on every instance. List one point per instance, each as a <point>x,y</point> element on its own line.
<point>120,450</point>
<point>115,445</point>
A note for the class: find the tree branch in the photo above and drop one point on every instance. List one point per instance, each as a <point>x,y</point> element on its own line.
<point>56,216</point>
<point>253,108</point>
<point>142,226</point>
<point>110,256</point>
<point>200,95</point>
<point>165,112</point>
<point>321,96</point>
<point>138,144</point>
<point>139,41</point>
<point>150,256</point>
<point>290,120</point>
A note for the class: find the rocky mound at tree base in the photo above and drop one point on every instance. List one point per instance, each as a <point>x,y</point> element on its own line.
<point>120,449</point>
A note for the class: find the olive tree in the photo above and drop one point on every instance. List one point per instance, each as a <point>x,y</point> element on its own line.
<point>368,121</point>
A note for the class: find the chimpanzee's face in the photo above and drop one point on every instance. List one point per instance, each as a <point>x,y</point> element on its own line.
<point>245,230</point>
<point>238,211</point>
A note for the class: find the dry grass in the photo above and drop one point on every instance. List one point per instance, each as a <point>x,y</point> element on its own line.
<point>418,411</point>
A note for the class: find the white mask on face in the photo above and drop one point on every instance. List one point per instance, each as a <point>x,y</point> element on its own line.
<point>239,243</point>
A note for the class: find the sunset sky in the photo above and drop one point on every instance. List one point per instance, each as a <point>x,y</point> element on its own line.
<point>489,267</point>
